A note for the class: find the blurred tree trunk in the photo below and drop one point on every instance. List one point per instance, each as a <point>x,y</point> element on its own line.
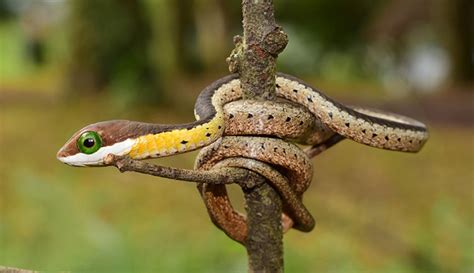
<point>110,42</point>
<point>200,28</point>
<point>232,16</point>
<point>214,33</point>
<point>456,20</point>
<point>187,57</point>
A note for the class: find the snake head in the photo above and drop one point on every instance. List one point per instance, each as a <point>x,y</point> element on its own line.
<point>90,145</point>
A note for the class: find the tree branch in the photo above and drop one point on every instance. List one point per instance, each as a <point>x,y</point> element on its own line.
<point>243,177</point>
<point>254,57</point>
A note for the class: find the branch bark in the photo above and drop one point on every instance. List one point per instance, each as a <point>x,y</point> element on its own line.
<point>254,58</point>
<point>244,178</point>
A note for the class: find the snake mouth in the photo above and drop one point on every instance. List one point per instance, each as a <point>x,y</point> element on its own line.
<point>68,161</point>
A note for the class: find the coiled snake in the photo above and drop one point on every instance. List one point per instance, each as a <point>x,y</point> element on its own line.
<point>306,116</point>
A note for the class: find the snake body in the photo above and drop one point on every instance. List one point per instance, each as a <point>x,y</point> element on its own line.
<point>374,128</point>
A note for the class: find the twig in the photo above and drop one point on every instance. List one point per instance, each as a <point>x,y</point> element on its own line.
<point>243,177</point>
<point>254,58</point>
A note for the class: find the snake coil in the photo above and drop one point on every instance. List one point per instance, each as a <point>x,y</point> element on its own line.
<point>284,165</point>
<point>263,156</point>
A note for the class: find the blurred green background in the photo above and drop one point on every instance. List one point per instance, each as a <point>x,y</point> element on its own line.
<point>65,64</point>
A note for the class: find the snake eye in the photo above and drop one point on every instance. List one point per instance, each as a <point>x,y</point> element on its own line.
<point>89,142</point>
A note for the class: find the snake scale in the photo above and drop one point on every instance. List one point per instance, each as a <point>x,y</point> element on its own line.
<point>304,115</point>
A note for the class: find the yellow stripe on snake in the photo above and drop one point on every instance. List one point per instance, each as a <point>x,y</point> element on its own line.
<point>303,115</point>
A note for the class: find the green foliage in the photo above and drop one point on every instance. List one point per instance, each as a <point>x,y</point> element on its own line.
<point>12,62</point>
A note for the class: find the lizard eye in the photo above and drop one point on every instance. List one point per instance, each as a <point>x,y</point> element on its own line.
<point>89,142</point>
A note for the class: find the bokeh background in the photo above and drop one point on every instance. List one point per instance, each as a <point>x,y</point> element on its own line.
<point>65,64</point>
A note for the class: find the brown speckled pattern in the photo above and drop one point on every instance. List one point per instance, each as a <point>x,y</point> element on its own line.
<point>386,131</point>
<point>371,127</point>
<point>281,119</point>
<point>286,157</point>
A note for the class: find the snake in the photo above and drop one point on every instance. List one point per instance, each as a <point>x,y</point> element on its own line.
<point>303,114</point>
<point>140,140</point>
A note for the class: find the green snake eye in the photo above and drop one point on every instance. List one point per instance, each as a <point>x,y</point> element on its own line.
<point>89,142</point>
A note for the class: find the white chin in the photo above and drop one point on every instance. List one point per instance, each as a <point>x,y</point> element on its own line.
<point>97,158</point>
<point>75,160</point>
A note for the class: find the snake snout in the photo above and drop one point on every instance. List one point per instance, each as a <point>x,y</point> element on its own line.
<point>61,154</point>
